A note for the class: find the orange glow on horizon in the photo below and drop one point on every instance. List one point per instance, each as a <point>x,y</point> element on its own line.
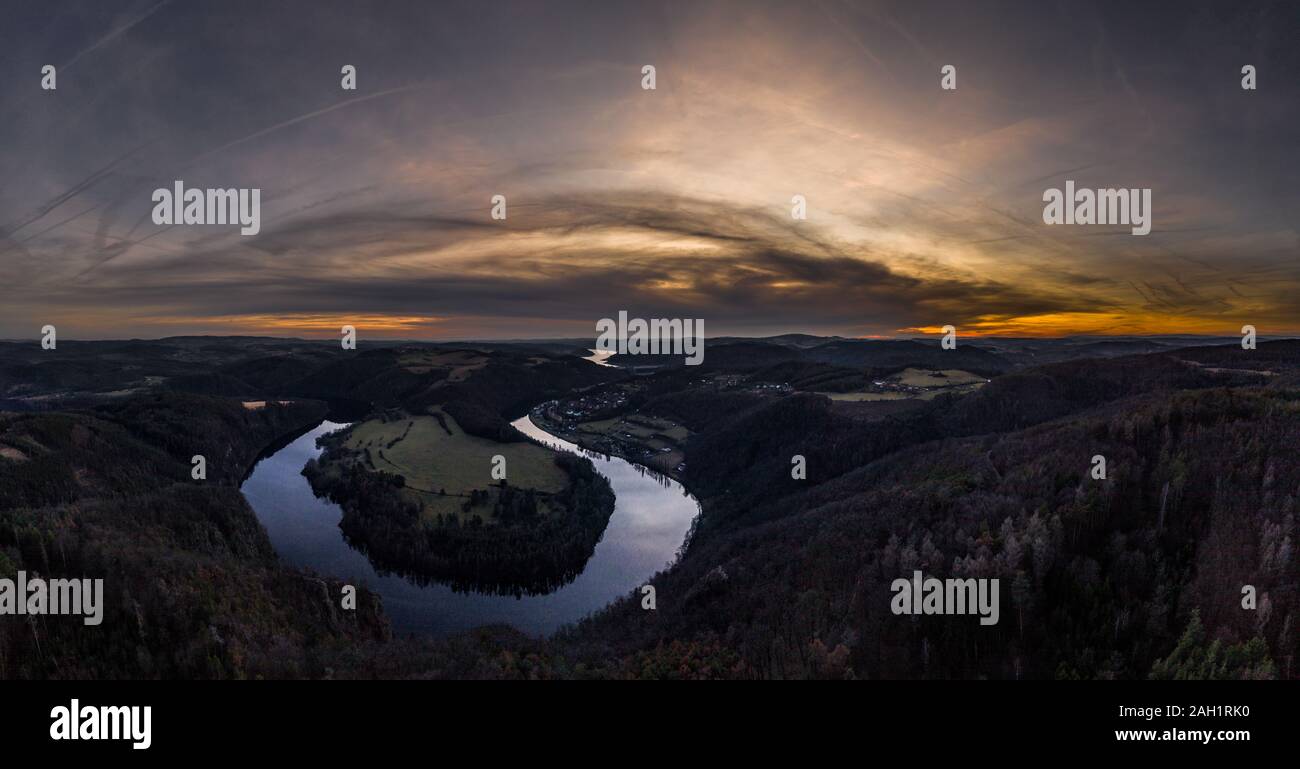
<point>307,325</point>
<point>1087,324</point>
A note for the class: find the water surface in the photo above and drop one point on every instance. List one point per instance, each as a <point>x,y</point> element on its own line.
<point>652,516</point>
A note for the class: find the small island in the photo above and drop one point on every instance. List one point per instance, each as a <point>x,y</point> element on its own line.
<point>419,498</point>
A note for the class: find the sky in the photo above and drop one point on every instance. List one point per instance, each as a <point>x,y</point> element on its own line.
<point>924,205</point>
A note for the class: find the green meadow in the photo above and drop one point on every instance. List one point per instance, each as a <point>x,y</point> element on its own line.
<point>433,458</point>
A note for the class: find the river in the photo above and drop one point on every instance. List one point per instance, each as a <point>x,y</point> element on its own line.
<point>651,519</point>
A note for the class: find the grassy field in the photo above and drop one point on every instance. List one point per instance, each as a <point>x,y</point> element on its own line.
<point>929,395</point>
<point>649,430</point>
<point>916,377</point>
<point>890,395</point>
<point>667,429</point>
<point>461,363</point>
<point>646,432</point>
<point>894,395</point>
<point>432,460</point>
<point>934,384</point>
<point>600,426</point>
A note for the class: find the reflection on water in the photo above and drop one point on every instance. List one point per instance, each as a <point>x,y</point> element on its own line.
<point>652,516</point>
<point>600,356</point>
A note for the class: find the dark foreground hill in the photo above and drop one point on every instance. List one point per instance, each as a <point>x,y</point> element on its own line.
<point>192,588</point>
<point>1100,578</point>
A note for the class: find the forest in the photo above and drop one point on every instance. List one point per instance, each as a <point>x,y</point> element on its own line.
<point>192,586</point>
<point>1141,574</point>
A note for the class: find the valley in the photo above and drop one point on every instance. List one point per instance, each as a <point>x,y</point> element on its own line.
<point>979,471</point>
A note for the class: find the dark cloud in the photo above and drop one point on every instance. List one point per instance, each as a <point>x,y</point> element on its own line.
<point>747,269</point>
<point>924,205</point>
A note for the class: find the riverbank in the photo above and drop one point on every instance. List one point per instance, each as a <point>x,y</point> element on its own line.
<point>651,520</point>
<point>607,446</point>
<point>420,497</point>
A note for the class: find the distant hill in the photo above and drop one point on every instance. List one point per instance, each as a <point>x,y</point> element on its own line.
<point>874,357</point>
<point>883,357</point>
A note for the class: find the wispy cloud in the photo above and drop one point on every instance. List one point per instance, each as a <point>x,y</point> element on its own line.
<point>924,205</point>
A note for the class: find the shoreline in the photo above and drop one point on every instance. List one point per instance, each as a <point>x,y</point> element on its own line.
<point>551,429</point>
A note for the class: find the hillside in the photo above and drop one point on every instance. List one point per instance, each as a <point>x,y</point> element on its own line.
<point>1138,575</point>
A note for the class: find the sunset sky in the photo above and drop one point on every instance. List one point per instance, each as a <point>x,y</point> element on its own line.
<point>924,205</point>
